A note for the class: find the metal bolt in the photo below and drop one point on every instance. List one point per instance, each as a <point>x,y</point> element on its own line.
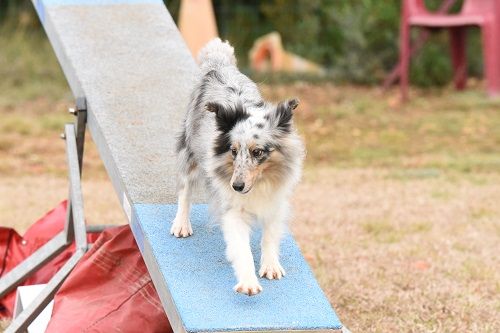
<point>73,111</point>
<point>62,136</point>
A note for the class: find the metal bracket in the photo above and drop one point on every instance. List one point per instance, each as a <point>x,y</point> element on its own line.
<point>74,229</point>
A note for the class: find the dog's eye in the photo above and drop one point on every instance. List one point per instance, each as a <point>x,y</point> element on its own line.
<point>234,152</point>
<point>257,153</point>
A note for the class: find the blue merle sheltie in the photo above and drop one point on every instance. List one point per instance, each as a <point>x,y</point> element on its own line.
<point>249,155</point>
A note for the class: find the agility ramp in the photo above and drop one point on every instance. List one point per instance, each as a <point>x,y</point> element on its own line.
<point>129,65</point>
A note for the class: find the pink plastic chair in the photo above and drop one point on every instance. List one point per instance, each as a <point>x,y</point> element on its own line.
<point>482,13</point>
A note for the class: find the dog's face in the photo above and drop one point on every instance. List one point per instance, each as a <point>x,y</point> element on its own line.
<point>250,142</point>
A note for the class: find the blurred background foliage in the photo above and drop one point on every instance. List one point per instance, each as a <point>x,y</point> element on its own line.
<point>356,40</point>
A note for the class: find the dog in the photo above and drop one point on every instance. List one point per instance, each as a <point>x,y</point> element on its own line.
<point>250,156</point>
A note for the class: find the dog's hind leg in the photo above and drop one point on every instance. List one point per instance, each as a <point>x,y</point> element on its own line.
<point>181,226</point>
<point>237,236</point>
<point>273,225</point>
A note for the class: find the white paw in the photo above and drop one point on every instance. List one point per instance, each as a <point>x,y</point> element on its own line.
<point>181,228</point>
<point>249,287</point>
<point>271,270</point>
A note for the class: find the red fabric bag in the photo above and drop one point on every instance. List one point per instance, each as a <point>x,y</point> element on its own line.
<point>110,290</point>
<point>14,249</point>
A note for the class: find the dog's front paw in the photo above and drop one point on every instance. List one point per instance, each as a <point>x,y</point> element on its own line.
<point>271,270</point>
<point>249,287</point>
<point>181,228</point>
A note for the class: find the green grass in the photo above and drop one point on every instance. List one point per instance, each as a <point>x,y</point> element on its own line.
<point>28,68</point>
<point>457,130</point>
<point>34,125</point>
<point>344,126</point>
<point>383,231</point>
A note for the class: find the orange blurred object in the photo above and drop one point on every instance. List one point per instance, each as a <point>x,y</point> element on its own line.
<point>421,265</point>
<point>268,54</point>
<point>197,23</point>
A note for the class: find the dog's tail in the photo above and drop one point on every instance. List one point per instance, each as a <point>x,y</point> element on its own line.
<point>216,54</point>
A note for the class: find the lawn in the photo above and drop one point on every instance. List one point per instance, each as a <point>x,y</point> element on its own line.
<point>397,212</point>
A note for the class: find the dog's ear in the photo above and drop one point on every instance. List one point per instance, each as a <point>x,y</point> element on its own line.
<point>213,107</point>
<point>226,117</point>
<point>293,103</point>
<point>284,113</point>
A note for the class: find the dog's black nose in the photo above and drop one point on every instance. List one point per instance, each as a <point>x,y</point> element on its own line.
<point>238,187</point>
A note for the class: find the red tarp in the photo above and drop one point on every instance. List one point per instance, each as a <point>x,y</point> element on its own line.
<point>109,290</point>
<point>14,248</point>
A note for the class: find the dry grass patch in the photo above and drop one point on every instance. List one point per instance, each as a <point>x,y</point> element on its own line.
<point>389,255</point>
<point>393,258</point>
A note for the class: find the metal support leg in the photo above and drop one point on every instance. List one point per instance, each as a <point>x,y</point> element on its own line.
<point>41,256</point>
<point>21,322</point>
<point>81,121</point>
<point>74,229</point>
<point>76,196</point>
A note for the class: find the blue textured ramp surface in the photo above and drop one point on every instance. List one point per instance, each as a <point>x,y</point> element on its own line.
<point>200,279</point>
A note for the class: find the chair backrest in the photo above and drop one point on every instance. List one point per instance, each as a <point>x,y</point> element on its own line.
<point>488,9</point>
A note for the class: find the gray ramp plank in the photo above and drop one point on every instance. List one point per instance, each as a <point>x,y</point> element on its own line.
<point>128,60</point>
